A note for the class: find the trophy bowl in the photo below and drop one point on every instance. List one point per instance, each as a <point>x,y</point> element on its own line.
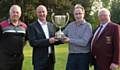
<point>59,21</point>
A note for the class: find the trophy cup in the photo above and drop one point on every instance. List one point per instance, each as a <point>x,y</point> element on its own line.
<point>60,21</point>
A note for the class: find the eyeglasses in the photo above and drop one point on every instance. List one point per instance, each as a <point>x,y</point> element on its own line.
<point>103,15</point>
<point>78,13</point>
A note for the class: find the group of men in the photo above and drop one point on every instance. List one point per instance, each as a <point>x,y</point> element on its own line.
<point>103,46</point>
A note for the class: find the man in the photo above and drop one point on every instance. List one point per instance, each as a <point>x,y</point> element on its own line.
<point>106,42</point>
<point>41,38</point>
<point>12,39</point>
<point>78,34</point>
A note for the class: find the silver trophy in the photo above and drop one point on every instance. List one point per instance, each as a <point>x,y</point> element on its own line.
<point>60,21</point>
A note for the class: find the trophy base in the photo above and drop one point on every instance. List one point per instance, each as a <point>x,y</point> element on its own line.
<point>59,35</point>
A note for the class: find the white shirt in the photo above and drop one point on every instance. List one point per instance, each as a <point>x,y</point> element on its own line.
<point>103,27</point>
<point>46,32</point>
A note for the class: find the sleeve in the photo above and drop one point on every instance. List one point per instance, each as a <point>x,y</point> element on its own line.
<point>26,27</point>
<point>25,38</point>
<point>34,42</point>
<point>116,45</point>
<point>0,32</point>
<point>84,40</point>
<point>65,31</point>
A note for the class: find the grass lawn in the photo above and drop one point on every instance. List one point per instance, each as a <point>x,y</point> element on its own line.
<point>61,57</point>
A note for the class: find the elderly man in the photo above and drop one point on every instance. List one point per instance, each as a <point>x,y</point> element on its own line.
<point>12,38</point>
<point>106,42</point>
<point>41,38</point>
<point>78,34</point>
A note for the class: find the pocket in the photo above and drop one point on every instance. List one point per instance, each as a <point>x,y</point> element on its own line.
<point>108,39</point>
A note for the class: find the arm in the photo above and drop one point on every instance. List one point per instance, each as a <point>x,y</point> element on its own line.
<point>65,31</point>
<point>83,41</point>
<point>34,42</point>
<point>116,42</point>
<point>25,38</point>
<point>116,49</point>
<point>0,32</point>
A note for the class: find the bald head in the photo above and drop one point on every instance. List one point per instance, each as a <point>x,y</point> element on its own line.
<point>15,12</point>
<point>41,7</point>
<point>41,11</point>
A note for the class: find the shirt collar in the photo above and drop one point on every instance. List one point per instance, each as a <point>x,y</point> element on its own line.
<point>104,25</point>
<point>41,23</point>
<point>82,22</point>
<point>10,22</point>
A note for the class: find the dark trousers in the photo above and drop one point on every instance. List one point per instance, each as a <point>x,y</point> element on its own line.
<point>95,66</point>
<point>12,66</point>
<point>48,66</point>
<point>78,61</point>
<point>93,62</point>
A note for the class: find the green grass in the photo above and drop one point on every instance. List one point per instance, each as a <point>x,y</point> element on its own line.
<point>61,57</point>
<point>27,65</point>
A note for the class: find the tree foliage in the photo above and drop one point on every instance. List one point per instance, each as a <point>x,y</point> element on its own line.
<point>115,11</point>
<point>29,6</point>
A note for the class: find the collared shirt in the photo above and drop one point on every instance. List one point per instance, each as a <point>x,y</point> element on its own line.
<point>8,27</point>
<point>12,38</point>
<point>103,27</point>
<point>79,36</point>
<point>46,32</point>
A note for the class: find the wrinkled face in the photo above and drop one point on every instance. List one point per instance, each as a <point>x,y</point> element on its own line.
<point>15,13</point>
<point>41,13</point>
<point>104,16</point>
<point>78,14</point>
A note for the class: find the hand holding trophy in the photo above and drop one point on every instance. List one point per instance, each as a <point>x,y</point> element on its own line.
<point>60,21</point>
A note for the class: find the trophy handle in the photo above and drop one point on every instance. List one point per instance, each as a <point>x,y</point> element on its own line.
<point>52,17</point>
<point>68,16</point>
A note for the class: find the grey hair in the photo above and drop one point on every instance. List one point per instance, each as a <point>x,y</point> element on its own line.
<point>104,9</point>
<point>13,6</point>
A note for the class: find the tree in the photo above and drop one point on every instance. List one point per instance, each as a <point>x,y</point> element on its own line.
<point>87,4</point>
<point>115,11</point>
<point>57,6</point>
<point>106,3</point>
<point>4,11</point>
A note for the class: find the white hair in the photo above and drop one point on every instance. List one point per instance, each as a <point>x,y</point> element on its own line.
<point>103,10</point>
<point>15,6</point>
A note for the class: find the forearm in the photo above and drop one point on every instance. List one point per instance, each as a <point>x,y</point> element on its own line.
<point>40,43</point>
<point>80,42</point>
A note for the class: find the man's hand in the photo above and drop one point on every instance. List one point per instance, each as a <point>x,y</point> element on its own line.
<point>66,39</point>
<point>113,66</point>
<point>52,40</point>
